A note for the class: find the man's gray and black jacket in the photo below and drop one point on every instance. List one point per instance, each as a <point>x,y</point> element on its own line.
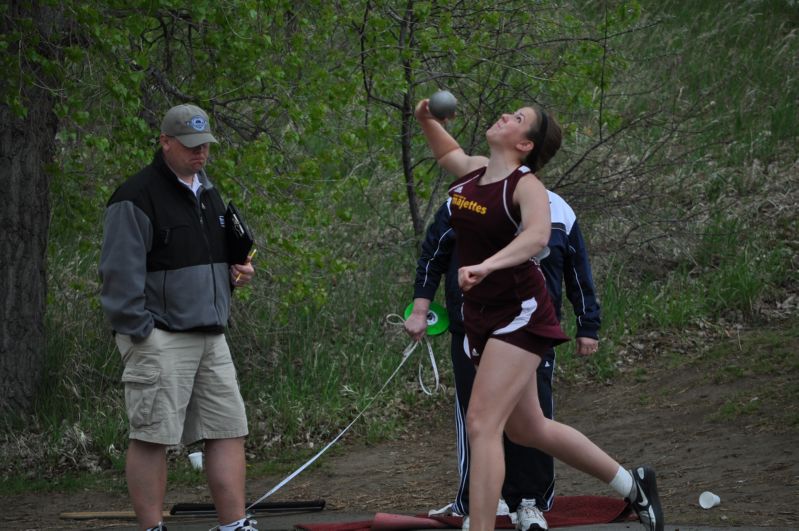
<point>567,262</point>
<point>163,262</point>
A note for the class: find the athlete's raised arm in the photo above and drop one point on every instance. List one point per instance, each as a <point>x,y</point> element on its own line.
<point>445,148</point>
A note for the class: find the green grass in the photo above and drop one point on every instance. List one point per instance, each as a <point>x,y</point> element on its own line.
<point>734,56</point>
<point>726,279</point>
<point>331,365</point>
<point>762,366</point>
<point>64,482</point>
<point>741,405</point>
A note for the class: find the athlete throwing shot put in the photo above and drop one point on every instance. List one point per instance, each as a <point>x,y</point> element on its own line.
<point>500,214</point>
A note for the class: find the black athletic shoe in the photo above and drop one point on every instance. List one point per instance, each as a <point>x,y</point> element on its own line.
<point>647,503</point>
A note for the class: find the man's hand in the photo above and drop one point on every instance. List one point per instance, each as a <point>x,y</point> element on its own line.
<point>241,274</point>
<point>416,323</point>
<point>586,346</point>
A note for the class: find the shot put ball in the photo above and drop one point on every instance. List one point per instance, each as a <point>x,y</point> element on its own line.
<point>442,104</point>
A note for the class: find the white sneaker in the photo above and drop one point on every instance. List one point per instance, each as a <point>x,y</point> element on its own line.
<point>447,510</point>
<point>502,508</point>
<point>247,525</point>
<point>529,517</point>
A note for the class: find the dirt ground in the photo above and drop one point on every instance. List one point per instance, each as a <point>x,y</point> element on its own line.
<point>720,415</point>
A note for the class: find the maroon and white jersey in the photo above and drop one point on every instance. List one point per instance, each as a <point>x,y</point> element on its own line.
<point>485,221</point>
<point>511,304</point>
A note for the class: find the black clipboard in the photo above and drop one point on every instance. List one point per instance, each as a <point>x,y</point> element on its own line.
<point>239,236</point>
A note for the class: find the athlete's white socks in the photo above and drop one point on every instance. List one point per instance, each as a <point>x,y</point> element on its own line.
<point>623,483</point>
<point>232,526</point>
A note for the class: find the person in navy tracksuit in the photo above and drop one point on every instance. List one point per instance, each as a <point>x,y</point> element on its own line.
<point>530,472</point>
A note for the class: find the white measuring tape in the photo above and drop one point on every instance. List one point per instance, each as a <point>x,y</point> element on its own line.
<point>395,319</point>
<point>391,319</point>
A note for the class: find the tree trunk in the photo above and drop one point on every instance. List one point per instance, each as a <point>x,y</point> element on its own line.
<point>408,106</point>
<point>26,147</point>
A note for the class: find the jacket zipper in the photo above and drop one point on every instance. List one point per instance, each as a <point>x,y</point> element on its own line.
<point>204,229</point>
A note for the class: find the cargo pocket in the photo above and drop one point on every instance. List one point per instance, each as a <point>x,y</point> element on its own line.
<point>141,388</point>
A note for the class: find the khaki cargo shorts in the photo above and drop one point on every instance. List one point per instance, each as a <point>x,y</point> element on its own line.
<point>181,387</point>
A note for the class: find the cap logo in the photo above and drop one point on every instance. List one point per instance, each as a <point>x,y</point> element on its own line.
<point>198,123</point>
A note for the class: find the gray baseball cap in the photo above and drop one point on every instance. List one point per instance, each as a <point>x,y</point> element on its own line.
<point>189,124</point>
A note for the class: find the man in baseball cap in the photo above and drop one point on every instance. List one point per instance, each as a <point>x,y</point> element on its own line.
<point>166,292</point>
<point>189,124</point>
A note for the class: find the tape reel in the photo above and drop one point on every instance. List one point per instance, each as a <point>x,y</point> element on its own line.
<point>437,318</point>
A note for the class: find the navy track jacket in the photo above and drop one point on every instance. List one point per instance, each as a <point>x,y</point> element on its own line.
<point>567,261</point>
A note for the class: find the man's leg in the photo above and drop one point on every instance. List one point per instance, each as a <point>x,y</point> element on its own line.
<point>464,372</point>
<point>145,470</point>
<point>216,416</point>
<point>226,470</point>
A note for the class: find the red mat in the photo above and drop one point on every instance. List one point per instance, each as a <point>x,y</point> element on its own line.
<point>566,511</point>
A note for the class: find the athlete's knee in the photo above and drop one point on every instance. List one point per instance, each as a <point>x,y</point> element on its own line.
<point>479,424</point>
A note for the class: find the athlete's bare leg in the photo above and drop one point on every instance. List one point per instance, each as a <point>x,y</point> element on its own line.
<point>505,398</point>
